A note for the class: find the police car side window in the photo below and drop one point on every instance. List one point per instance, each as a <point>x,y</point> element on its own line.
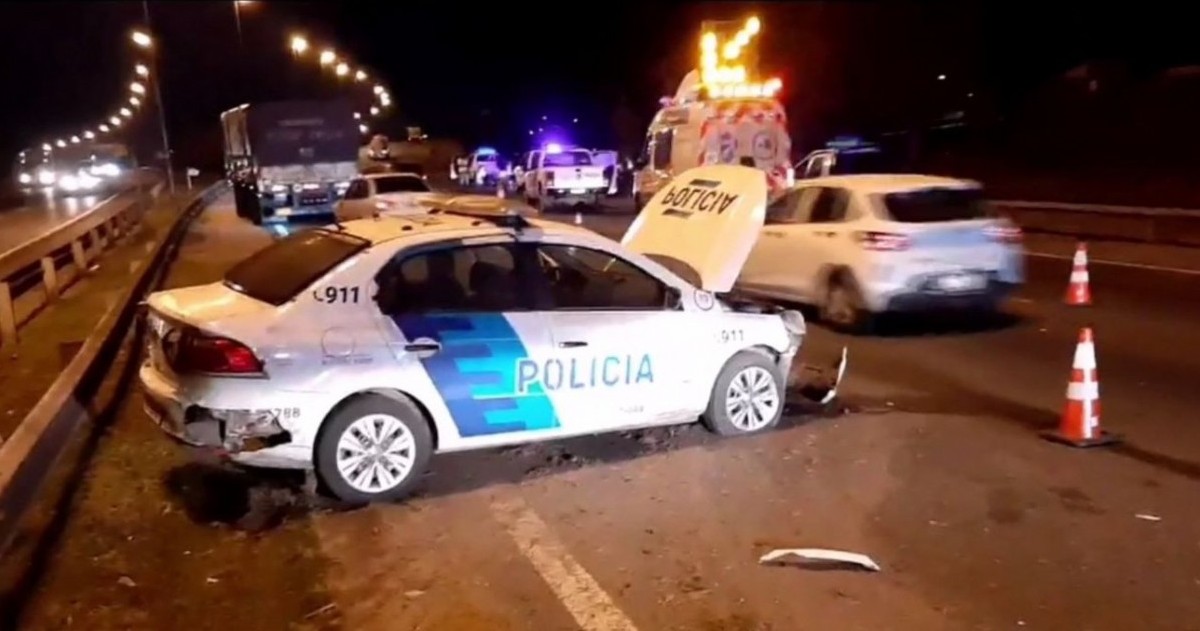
<point>457,279</point>
<point>581,278</point>
<point>830,206</point>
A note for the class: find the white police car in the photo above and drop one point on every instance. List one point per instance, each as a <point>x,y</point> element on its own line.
<point>362,349</point>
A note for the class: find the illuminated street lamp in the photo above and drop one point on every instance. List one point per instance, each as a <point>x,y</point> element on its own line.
<point>103,128</point>
<point>342,69</point>
<point>145,42</point>
<point>60,143</point>
<point>299,44</point>
<point>125,112</point>
<point>46,147</point>
<point>135,101</point>
<point>328,57</point>
<point>359,75</point>
<point>357,116</point>
<point>237,16</point>
<point>363,128</point>
<point>141,70</point>
<point>87,133</point>
<point>374,111</point>
<point>74,140</point>
<point>378,89</point>
<point>115,121</point>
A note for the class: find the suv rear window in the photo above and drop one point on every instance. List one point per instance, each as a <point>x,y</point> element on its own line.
<point>568,159</point>
<point>280,271</point>
<point>936,204</point>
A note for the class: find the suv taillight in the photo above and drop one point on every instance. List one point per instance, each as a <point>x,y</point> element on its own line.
<point>213,354</point>
<point>882,241</point>
<point>1004,233</point>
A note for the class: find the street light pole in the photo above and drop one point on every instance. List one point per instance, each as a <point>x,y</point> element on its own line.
<point>237,19</point>
<point>162,113</point>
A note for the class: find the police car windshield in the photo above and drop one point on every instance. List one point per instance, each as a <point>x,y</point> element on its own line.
<point>400,184</point>
<point>280,271</point>
<point>936,204</point>
<point>568,159</point>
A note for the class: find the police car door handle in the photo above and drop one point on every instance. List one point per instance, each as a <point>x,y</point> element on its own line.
<point>423,346</point>
<point>572,344</point>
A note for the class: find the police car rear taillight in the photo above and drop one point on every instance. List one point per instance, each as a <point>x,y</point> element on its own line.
<point>212,354</point>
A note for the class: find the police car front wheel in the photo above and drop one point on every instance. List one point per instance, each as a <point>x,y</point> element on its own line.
<point>747,396</point>
<point>373,449</point>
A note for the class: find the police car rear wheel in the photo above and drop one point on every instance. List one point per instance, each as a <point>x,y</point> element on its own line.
<point>747,397</point>
<point>373,449</point>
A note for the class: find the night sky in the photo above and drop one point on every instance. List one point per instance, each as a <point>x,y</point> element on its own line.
<point>845,66</point>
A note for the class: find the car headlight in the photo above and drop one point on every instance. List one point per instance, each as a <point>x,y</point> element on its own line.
<point>69,183</point>
<point>25,178</point>
<point>46,178</point>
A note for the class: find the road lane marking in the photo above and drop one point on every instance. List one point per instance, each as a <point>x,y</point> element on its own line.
<point>582,596</point>
<point>1091,261</point>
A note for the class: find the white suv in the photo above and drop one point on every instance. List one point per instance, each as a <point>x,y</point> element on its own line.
<point>858,245</point>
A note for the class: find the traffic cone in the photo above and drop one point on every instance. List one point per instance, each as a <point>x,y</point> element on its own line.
<point>1080,425</point>
<point>1079,290</point>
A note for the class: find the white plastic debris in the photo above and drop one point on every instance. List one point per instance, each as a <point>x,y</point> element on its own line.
<point>821,557</point>
<point>1148,517</point>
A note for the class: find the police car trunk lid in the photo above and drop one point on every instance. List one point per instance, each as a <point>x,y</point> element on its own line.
<point>205,306</point>
<point>706,220</point>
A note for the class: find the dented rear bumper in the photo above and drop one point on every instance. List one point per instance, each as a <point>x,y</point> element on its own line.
<point>246,436</point>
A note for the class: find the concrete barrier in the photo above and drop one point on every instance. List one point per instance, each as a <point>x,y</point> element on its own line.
<point>1169,226</point>
<point>34,273</point>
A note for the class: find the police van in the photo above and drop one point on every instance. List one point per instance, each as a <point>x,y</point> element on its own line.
<point>360,350</point>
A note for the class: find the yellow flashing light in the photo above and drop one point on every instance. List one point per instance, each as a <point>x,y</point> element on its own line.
<point>731,81</point>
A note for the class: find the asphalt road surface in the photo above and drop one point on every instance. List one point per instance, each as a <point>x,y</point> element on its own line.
<point>930,463</point>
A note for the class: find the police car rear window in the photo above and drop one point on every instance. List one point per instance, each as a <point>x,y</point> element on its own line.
<point>936,204</point>
<point>280,271</point>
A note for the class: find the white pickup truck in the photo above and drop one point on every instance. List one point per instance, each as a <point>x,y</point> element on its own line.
<point>563,177</point>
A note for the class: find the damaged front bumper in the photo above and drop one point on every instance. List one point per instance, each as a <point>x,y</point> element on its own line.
<point>253,437</point>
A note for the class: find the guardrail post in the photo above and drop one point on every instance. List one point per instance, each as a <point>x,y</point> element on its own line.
<point>79,256</point>
<point>49,278</point>
<point>99,241</point>
<point>8,317</point>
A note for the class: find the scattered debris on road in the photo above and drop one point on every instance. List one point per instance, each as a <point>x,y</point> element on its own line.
<point>820,559</point>
<point>1148,517</point>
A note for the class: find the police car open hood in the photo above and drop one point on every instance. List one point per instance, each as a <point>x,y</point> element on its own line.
<point>703,224</point>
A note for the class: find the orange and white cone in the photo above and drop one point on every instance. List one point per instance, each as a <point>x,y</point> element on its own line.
<point>1080,426</point>
<point>1079,291</point>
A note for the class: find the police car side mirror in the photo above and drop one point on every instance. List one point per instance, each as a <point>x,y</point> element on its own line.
<point>673,300</point>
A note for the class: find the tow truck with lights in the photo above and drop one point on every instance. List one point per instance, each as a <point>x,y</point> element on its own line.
<point>720,114</point>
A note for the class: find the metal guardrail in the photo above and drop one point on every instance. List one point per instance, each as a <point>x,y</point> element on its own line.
<point>1168,226</point>
<point>34,488</point>
<point>56,259</point>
